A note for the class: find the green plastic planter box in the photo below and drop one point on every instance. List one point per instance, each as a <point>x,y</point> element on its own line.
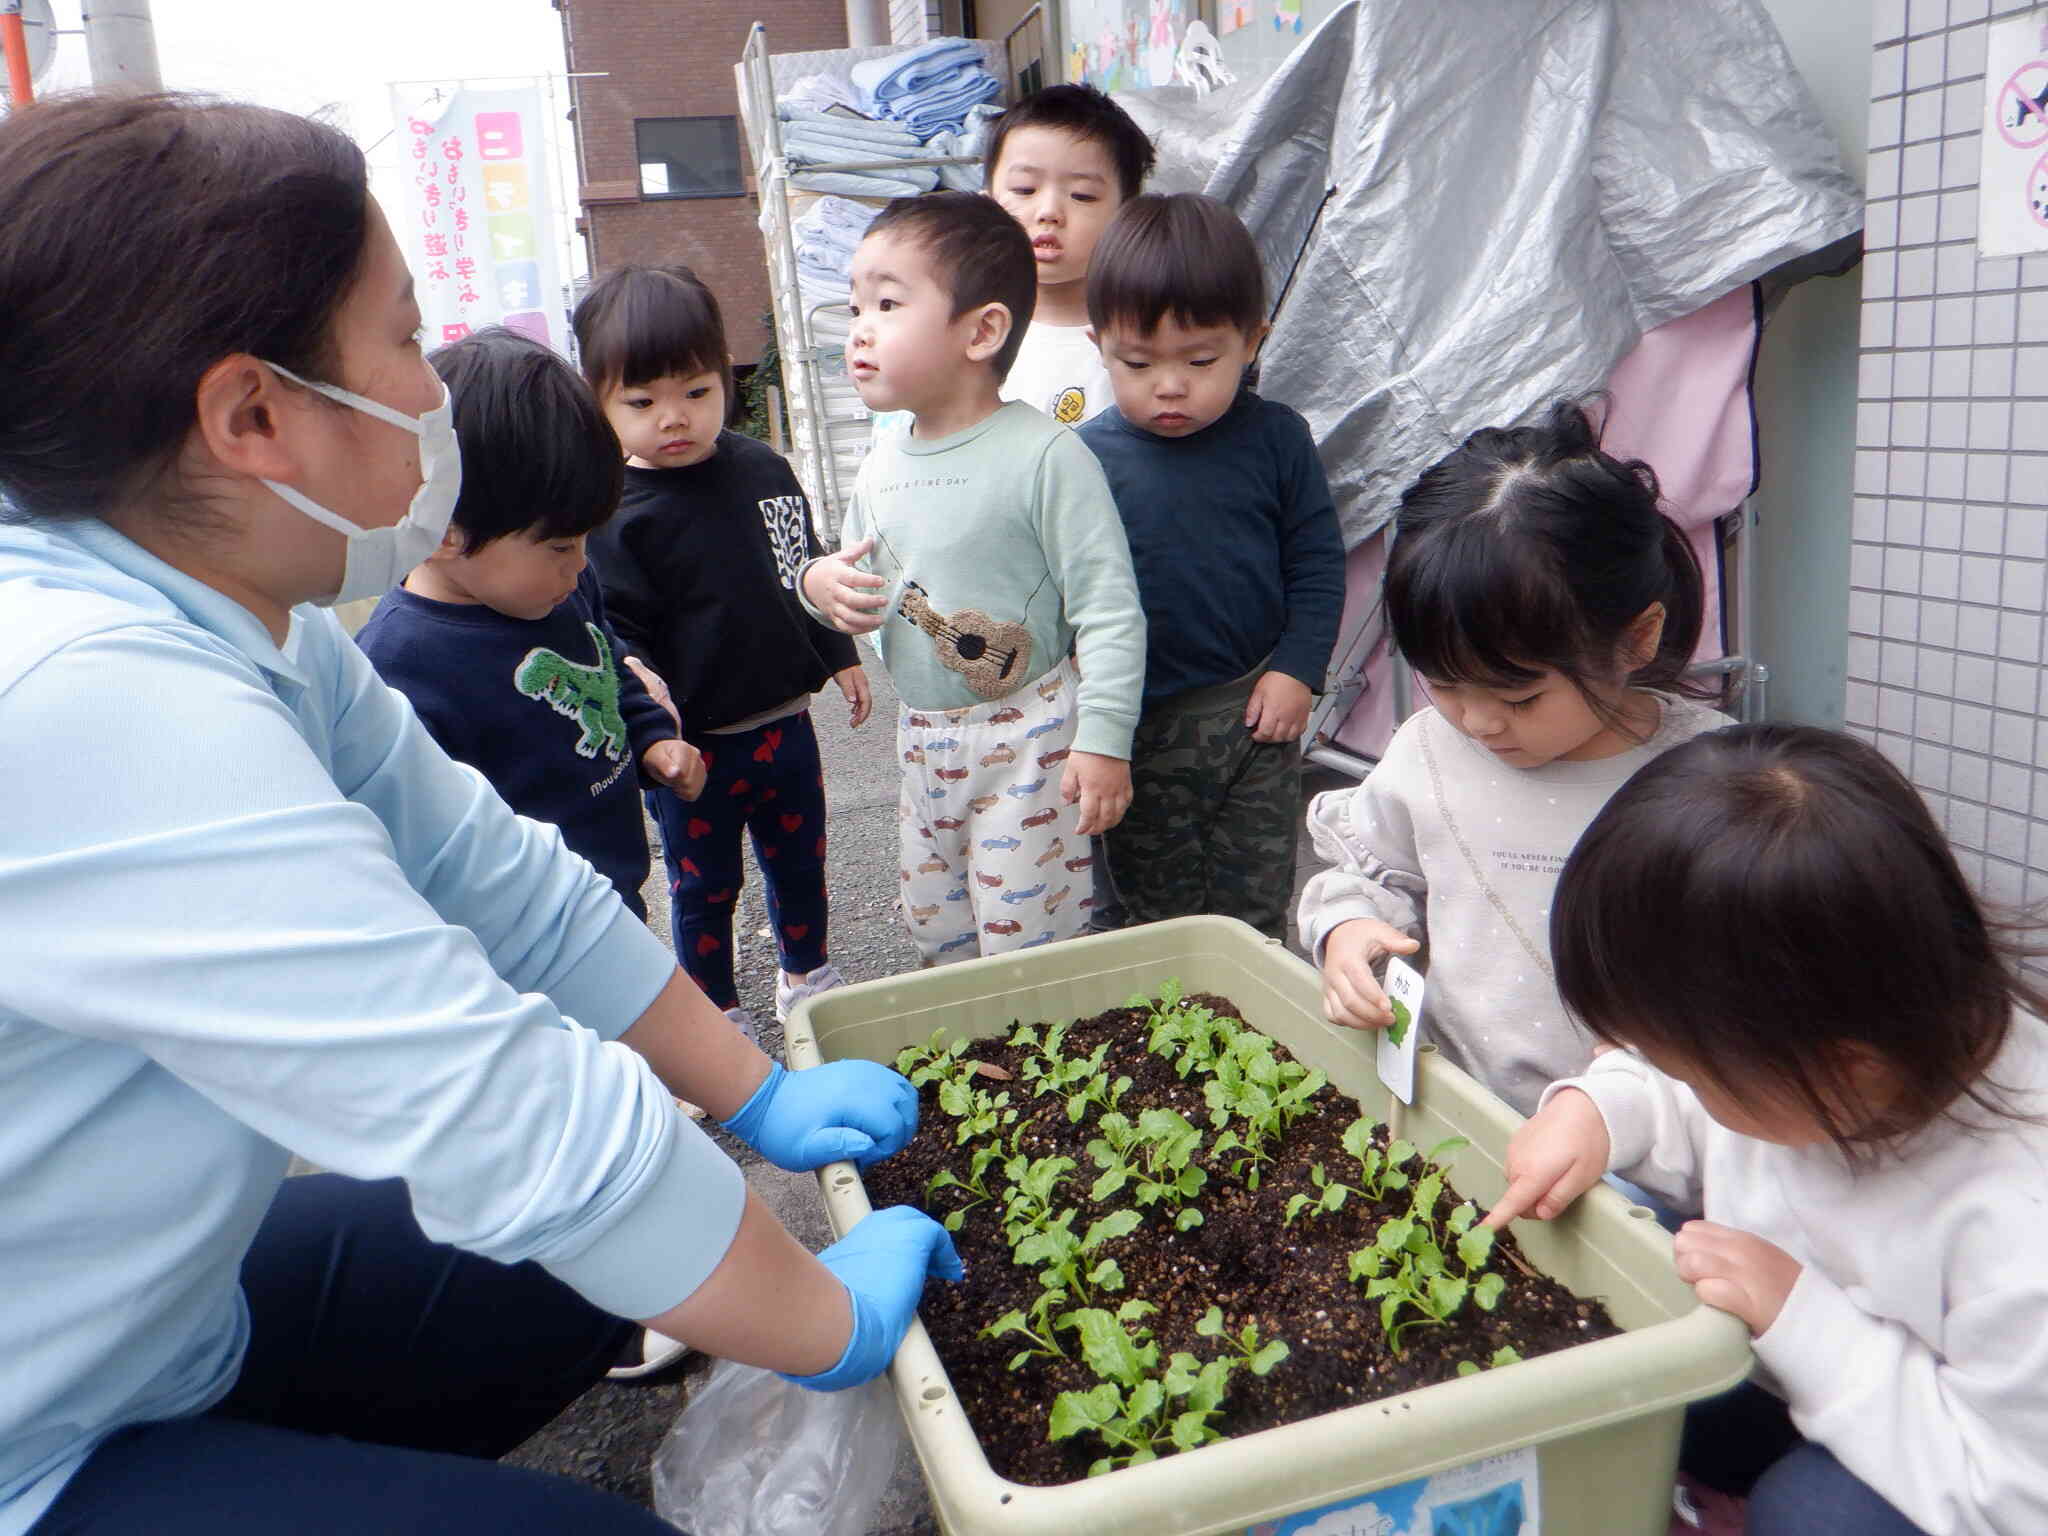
<point>1603,1418</point>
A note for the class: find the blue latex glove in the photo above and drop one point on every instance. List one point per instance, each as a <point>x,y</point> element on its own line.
<point>882,1263</point>
<point>843,1109</point>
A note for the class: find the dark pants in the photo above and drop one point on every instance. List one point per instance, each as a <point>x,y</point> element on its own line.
<point>767,782</point>
<point>1744,1443</point>
<point>384,1373</point>
<point>1214,817</point>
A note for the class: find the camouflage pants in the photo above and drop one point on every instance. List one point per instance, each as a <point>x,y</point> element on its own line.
<point>1214,815</point>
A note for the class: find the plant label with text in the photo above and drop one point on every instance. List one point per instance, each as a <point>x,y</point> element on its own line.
<point>1399,1041</point>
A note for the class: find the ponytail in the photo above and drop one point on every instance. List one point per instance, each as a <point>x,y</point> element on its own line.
<point>1684,602</point>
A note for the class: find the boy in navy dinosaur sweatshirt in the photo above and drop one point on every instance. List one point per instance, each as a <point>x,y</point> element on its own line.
<point>499,639</point>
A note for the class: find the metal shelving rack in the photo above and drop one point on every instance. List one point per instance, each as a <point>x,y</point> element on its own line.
<point>827,426</point>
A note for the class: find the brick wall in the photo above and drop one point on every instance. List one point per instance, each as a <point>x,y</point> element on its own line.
<point>669,59</point>
<point>1950,558</point>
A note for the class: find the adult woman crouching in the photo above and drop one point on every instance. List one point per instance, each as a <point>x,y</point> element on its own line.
<point>248,908</point>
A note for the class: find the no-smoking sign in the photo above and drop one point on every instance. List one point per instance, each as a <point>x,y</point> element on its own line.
<point>2012,187</point>
<point>2023,106</point>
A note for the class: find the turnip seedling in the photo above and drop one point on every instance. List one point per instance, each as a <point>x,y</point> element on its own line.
<point>1040,1328</point>
<point>1505,1355</point>
<point>1065,1256</point>
<point>975,1184</point>
<point>1136,1409</point>
<point>1258,1358</point>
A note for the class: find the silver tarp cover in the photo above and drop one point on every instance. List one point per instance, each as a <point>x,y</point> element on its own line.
<point>1516,190</point>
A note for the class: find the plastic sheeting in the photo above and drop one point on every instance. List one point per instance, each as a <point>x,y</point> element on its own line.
<point>1469,208</point>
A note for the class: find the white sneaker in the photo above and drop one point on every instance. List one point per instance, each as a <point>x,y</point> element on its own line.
<point>823,979</point>
<point>743,1021</point>
<point>657,1352</point>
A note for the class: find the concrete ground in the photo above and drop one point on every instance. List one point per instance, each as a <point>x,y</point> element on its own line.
<point>610,1435</point>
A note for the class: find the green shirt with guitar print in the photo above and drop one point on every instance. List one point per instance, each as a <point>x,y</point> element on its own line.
<point>1003,551</point>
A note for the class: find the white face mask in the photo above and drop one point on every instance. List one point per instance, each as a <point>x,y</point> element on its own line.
<point>380,558</point>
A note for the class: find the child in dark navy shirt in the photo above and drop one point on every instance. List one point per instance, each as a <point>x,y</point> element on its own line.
<point>697,571</point>
<point>499,639</point>
<point>1239,560</point>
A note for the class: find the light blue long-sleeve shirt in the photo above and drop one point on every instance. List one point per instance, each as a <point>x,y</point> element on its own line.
<point>249,908</point>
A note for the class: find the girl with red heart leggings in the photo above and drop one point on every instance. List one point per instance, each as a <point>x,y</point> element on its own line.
<point>765,781</point>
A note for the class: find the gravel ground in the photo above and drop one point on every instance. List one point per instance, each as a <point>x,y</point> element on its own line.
<point>608,1437</point>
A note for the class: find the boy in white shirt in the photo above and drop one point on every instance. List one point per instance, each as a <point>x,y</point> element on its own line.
<point>1062,162</point>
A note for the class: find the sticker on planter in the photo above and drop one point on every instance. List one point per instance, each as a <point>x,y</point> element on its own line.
<point>1493,1497</point>
<point>1399,1040</point>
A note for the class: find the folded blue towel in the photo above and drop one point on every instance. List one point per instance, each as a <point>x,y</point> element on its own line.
<point>900,74</point>
<point>860,183</point>
<point>836,126</point>
<point>928,113</point>
<point>802,147</point>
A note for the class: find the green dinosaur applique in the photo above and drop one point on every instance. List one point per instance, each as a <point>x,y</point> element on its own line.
<point>587,695</point>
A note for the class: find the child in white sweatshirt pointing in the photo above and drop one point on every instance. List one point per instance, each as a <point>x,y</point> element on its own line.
<point>1831,1052</point>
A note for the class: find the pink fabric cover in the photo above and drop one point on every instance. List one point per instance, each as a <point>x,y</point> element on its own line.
<point>1680,402</point>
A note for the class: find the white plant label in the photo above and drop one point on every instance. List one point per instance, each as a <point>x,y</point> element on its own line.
<point>1398,1043</point>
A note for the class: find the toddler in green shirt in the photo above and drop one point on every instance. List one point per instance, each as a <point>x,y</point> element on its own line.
<point>985,555</point>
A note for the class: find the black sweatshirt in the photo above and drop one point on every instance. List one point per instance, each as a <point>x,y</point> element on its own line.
<point>699,567</point>
<point>540,707</point>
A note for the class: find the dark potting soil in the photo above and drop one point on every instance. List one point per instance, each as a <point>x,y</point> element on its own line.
<point>1290,1281</point>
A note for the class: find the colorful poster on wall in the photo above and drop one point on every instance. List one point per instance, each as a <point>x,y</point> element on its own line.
<point>478,225</point>
<point>2012,198</point>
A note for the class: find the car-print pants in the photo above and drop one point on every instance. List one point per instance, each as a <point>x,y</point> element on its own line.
<point>991,856</point>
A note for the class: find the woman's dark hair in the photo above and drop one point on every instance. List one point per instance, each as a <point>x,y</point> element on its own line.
<point>1183,255</point>
<point>639,324</point>
<point>1528,549</point>
<point>142,240</point>
<point>538,456</point>
<point>979,254</point>
<point>1764,903</point>
<point>1086,113</point>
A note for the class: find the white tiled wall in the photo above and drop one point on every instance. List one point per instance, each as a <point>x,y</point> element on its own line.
<point>1951,513</point>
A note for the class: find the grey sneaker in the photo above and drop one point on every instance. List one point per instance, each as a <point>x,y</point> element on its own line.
<point>743,1021</point>
<point>823,979</point>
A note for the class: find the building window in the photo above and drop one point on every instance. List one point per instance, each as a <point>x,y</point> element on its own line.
<point>689,156</point>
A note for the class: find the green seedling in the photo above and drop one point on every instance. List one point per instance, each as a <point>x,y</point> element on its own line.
<point>1380,1174</point>
<point>1258,1358</point>
<point>1155,1155</point>
<point>1505,1355</point>
<point>1410,1272</point>
<point>1329,1197</point>
<point>937,1060</point>
<point>1052,1073</point>
<point>1099,1091</point>
<point>1028,1201</point>
<point>1136,1409</point>
<point>974,1186</point>
<point>1040,1328</point>
<point>1193,1035</point>
<point>1115,1151</point>
<point>982,1114</point>
<point>1066,1257</point>
<point>1165,1171</point>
